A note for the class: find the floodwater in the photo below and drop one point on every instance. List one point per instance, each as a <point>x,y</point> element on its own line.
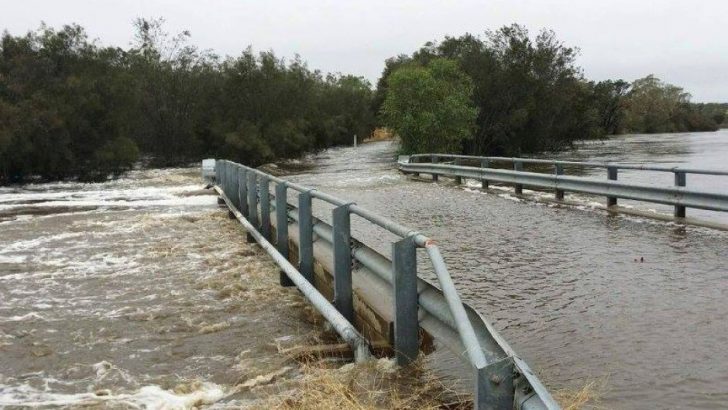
<point>636,305</point>
<point>705,150</point>
<point>136,293</point>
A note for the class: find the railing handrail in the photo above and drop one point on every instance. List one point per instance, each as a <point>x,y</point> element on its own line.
<point>463,326</point>
<point>381,221</point>
<point>466,330</point>
<point>587,164</point>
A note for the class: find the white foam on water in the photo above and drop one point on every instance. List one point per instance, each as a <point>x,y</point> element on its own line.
<point>35,243</point>
<point>510,197</point>
<point>12,259</point>
<point>147,397</point>
<point>28,317</point>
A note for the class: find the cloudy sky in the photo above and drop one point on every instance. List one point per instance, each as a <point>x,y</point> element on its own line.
<point>682,42</point>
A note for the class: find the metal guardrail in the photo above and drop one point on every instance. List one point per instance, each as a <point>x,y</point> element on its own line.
<point>502,379</point>
<point>678,195</point>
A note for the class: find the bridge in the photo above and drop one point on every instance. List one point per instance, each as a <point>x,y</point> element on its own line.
<point>376,301</point>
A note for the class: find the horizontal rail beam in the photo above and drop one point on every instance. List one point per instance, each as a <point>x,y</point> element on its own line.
<point>586,164</point>
<point>663,195</point>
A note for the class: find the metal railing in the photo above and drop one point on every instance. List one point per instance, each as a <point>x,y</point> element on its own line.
<point>502,379</point>
<point>678,195</point>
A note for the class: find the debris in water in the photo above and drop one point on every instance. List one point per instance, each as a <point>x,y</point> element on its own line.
<point>264,379</point>
<point>215,327</point>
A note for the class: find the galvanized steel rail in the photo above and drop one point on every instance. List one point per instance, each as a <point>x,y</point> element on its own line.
<point>502,379</point>
<point>678,195</point>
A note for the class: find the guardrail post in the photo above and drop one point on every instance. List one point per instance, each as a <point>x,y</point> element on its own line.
<point>559,170</point>
<point>223,176</point>
<point>265,207</point>
<point>282,228</point>
<point>612,176</point>
<point>458,179</point>
<point>227,178</point>
<point>414,161</point>
<point>343,298</point>
<point>219,176</point>
<point>229,185</point>
<point>252,203</point>
<point>305,236</point>
<point>406,325</point>
<point>680,181</point>
<point>484,164</point>
<point>494,386</point>
<point>518,166</point>
<point>243,192</point>
<point>434,159</point>
<point>234,186</point>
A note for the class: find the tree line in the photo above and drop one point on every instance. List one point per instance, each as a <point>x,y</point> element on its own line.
<point>508,94</point>
<point>71,108</point>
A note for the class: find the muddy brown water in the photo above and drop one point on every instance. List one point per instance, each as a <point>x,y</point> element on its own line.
<point>125,294</point>
<point>133,294</point>
<point>564,285</point>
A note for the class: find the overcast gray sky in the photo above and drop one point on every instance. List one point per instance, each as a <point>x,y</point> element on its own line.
<point>682,42</point>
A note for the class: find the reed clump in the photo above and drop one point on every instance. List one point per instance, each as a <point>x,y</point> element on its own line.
<point>585,397</point>
<point>375,384</point>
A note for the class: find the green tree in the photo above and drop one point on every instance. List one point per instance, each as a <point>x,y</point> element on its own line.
<point>529,93</point>
<point>70,108</point>
<point>653,106</point>
<point>430,107</point>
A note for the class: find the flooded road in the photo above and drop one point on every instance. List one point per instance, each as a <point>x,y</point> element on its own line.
<point>136,293</point>
<point>565,285</point>
<point>703,150</point>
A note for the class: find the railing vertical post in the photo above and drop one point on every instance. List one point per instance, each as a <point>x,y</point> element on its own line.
<point>229,185</point>
<point>265,207</point>
<point>494,386</point>
<point>518,166</point>
<point>252,199</point>
<point>434,159</point>
<point>224,176</point>
<point>228,177</point>
<point>484,164</point>
<point>612,176</point>
<point>219,176</point>
<point>406,325</point>
<point>282,228</point>
<point>559,170</point>
<point>680,181</point>
<point>305,236</point>
<point>458,179</point>
<point>343,298</point>
<point>233,191</point>
<point>243,192</point>
<point>414,161</point>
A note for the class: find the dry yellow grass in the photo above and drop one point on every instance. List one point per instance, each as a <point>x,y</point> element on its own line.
<point>380,134</point>
<point>376,384</point>
<point>586,397</point>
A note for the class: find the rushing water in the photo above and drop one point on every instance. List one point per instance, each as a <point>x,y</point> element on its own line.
<point>635,304</point>
<point>139,293</point>
<point>135,293</point>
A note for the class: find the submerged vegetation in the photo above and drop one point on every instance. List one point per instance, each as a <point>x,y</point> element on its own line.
<point>70,108</point>
<point>530,97</point>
